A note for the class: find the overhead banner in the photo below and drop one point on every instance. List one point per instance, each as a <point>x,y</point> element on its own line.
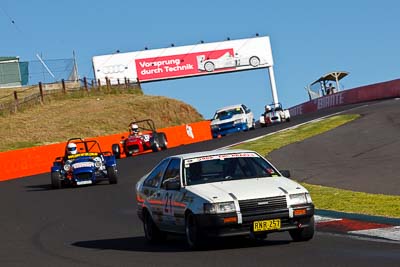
<point>185,61</point>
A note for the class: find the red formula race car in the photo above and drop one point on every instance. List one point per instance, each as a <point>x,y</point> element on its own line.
<point>142,136</point>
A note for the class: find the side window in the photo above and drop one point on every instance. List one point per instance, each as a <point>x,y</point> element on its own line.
<point>246,109</point>
<point>154,178</point>
<point>172,171</point>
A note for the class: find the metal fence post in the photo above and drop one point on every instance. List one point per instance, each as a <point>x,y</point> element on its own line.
<point>16,101</point>
<point>85,84</point>
<point>98,84</point>
<point>41,92</point>
<point>64,90</point>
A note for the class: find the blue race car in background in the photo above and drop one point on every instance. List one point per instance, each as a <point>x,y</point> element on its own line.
<point>232,119</point>
<point>82,164</point>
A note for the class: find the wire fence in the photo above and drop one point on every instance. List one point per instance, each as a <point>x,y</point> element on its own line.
<point>13,100</point>
<point>16,73</point>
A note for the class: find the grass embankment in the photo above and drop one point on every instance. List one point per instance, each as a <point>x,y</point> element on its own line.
<point>82,115</point>
<point>327,197</point>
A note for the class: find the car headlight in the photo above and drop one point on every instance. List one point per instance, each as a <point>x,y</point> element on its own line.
<point>214,127</point>
<point>222,207</point>
<point>238,121</point>
<point>97,162</point>
<point>298,199</point>
<point>67,167</point>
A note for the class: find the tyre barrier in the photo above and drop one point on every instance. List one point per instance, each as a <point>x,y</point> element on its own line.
<point>36,160</point>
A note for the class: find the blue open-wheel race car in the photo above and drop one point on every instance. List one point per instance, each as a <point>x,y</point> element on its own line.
<point>83,163</point>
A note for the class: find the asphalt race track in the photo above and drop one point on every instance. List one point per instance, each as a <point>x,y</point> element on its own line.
<point>98,226</point>
<point>359,156</point>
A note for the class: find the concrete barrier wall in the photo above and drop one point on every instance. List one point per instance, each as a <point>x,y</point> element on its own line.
<point>390,89</point>
<point>31,161</point>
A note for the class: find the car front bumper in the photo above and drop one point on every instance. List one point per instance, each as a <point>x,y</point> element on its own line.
<point>225,129</point>
<point>214,225</point>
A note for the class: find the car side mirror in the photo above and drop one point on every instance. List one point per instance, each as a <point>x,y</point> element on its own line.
<point>172,184</point>
<point>285,173</point>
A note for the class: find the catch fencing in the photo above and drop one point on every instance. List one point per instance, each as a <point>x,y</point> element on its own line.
<point>13,100</point>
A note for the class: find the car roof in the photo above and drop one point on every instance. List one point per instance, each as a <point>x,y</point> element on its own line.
<point>211,153</point>
<point>229,107</point>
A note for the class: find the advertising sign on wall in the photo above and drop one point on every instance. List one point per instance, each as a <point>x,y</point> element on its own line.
<point>185,61</point>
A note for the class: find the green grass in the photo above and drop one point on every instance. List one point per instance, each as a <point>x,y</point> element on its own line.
<point>327,197</point>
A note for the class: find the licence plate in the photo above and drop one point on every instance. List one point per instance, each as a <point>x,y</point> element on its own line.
<point>266,225</point>
<point>84,182</point>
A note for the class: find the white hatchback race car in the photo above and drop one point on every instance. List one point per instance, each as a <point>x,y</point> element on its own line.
<point>222,193</point>
<point>274,113</point>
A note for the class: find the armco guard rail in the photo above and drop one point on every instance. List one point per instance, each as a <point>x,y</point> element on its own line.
<point>390,89</point>
<point>36,160</point>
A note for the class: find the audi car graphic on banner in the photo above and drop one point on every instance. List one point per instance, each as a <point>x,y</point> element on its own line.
<point>185,61</point>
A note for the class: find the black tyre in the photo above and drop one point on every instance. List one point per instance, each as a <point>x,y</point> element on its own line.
<point>112,175</point>
<point>151,231</point>
<point>155,147</point>
<point>194,237</point>
<point>56,180</point>
<point>253,125</point>
<point>162,141</point>
<point>116,151</point>
<point>303,234</point>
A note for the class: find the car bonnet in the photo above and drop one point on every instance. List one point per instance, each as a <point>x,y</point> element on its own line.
<point>246,189</point>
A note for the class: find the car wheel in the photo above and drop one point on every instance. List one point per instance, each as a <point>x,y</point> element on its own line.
<point>151,231</point>
<point>303,234</point>
<point>55,180</point>
<point>254,61</point>
<point>194,236</point>
<point>209,66</point>
<point>253,125</point>
<point>155,146</point>
<point>162,141</point>
<point>287,119</point>
<point>116,150</point>
<point>112,175</point>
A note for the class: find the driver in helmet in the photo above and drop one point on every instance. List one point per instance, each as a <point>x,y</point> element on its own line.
<point>135,130</point>
<point>71,149</point>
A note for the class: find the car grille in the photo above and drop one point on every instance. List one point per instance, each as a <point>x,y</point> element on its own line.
<point>224,126</point>
<point>84,176</point>
<point>133,148</point>
<point>260,206</point>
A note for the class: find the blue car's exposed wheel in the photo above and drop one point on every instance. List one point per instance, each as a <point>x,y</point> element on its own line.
<point>112,175</point>
<point>55,180</point>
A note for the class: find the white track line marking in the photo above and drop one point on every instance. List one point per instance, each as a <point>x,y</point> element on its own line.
<point>392,233</point>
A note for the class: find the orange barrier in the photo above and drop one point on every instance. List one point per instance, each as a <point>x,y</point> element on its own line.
<point>31,161</point>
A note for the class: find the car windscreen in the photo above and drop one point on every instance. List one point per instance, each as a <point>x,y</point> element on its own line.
<point>227,113</point>
<point>223,167</point>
